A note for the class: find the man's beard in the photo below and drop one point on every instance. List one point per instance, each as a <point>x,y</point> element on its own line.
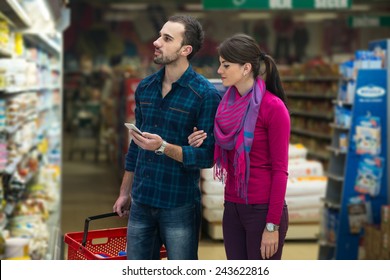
<point>166,60</point>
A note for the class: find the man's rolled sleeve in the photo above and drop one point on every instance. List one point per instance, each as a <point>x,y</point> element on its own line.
<point>203,157</point>
<point>131,156</point>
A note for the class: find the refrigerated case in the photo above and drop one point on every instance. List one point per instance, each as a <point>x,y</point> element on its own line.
<point>30,130</point>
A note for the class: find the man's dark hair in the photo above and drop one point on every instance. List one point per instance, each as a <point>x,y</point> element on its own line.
<point>193,32</point>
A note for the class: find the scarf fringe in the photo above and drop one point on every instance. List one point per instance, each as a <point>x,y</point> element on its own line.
<point>241,184</point>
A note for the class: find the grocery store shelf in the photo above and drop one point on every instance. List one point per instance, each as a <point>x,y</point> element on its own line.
<point>335,177</point>
<point>4,52</point>
<point>326,116</point>
<point>15,13</point>
<point>310,78</point>
<point>318,155</point>
<point>311,134</point>
<point>310,95</point>
<point>335,150</point>
<point>331,204</point>
<point>341,102</point>
<point>334,125</point>
<point>44,41</point>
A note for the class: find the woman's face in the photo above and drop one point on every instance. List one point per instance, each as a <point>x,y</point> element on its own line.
<point>231,73</point>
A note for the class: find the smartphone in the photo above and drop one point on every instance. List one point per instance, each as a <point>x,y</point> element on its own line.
<point>133,127</point>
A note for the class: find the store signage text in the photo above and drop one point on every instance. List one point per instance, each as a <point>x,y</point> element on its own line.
<point>331,4</point>
<point>280,4</point>
<point>370,91</point>
<point>276,4</point>
<point>365,21</point>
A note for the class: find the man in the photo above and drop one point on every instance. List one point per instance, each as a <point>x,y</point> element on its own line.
<point>162,171</point>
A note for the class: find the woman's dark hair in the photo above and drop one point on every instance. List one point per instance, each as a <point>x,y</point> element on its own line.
<point>241,49</point>
<point>193,32</point>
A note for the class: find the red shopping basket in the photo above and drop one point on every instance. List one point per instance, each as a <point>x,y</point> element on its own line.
<point>104,244</point>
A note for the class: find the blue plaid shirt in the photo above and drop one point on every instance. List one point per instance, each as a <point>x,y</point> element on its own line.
<point>160,181</point>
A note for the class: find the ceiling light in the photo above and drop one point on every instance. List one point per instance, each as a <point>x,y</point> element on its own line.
<point>259,15</point>
<point>131,6</point>
<point>193,7</point>
<point>319,16</point>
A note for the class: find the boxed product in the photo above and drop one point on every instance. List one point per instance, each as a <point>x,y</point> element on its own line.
<point>212,187</point>
<point>372,247</point>
<point>385,217</point>
<point>213,215</point>
<point>304,202</point>
<point>305,168</point>
<point>297,151</point>
<point>310,185</point>
<point>212,201</point>
<point>304,215</point>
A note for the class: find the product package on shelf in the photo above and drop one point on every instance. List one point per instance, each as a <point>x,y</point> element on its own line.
<point>377,237</point>
<point>303,167</point>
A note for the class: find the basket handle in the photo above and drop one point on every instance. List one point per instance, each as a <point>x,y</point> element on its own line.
<point>88,219</point>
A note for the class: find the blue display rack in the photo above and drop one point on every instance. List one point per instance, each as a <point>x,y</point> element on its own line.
<point>361,171</point>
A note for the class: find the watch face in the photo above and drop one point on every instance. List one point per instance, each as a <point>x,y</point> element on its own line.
<point>270,227</point>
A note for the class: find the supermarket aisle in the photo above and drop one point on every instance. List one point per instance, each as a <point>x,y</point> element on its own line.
<point>91,188</point>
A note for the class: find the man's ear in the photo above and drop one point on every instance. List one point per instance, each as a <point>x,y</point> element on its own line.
<point>187,49</point>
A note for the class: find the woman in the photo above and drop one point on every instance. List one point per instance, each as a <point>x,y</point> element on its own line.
<point>252,130</point>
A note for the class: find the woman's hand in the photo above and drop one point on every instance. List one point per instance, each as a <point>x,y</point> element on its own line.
<point>196,138</point>
<point>269,244</point>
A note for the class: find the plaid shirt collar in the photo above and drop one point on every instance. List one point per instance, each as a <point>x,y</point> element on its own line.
<point>182,81</point>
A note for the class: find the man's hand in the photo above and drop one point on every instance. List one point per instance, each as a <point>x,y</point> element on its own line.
<point>147,141</point>
<point>122,206</point>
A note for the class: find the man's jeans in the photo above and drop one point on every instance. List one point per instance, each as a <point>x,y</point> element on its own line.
<point>176,228</point>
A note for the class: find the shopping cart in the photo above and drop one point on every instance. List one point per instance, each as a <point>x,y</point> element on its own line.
<point>104,244</point>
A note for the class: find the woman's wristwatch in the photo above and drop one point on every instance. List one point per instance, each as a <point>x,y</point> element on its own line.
<point>270,227</point>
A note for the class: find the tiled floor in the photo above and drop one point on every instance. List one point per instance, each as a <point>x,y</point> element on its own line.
<point>91,188</point>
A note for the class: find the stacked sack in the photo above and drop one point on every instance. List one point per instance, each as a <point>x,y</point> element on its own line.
<point>306,187</point>
<point>212,202</point>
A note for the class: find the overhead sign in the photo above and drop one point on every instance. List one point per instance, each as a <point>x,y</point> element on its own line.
<point>371,21</point>
<point>275,4</point>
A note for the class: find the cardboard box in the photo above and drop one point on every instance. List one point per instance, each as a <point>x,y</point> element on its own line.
<point>373,248</point>
<point>385,217</point>
<point>385,254</point>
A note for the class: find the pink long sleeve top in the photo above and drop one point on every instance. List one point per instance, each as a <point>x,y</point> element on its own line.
<point>268,160</point>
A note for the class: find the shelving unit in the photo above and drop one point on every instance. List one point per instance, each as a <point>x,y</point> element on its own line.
<point>30,131</point>
<point>310,98</point>
<point>339,237</point>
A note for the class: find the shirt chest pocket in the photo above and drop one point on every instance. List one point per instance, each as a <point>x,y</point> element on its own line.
<point>173,122</point>
<point>180,120</point>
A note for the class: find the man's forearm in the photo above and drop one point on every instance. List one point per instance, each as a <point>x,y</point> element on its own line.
<point>127,183</point>
<point>175,152</point>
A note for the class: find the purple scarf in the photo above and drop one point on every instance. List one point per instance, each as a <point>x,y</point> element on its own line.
<point>234,128</point>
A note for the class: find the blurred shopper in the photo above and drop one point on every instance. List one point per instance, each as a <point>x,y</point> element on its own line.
<point>252,131</point>
<point>300,40</point>
<point>161,179</point>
